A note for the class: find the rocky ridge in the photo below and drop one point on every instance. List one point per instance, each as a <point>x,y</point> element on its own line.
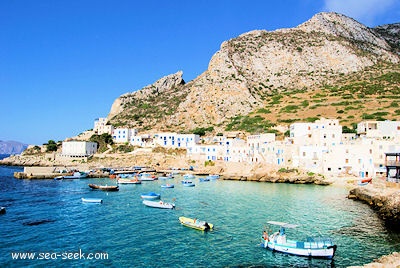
<point>250,69</point>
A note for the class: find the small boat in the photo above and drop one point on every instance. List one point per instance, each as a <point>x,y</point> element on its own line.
<point>2,210</point>
<point>167,185</point>
<point>204,179</point>
<point>129,181</point>
<point>92,200</point>
<point>150,196</point>
<point>76,175</point>
<point>317,247</point>
<point>158,204</point>
<point>196,224</point>
<point>147,177</point>
<point>188,183</point>
<point>58,178</point>
<point>213,176</point>
<point>366,180</point>
<point>109,188</point>
<point>188,176</point>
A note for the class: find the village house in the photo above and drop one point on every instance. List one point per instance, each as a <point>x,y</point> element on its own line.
<point>78,148</point>
<point>379,129</point>
<point>101,126</point>
<point>176,140</point>
<point>123,135</point>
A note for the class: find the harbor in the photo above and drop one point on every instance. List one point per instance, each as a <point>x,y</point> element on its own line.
<point>125,228</point>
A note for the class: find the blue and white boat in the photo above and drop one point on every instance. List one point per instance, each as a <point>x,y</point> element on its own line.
<point>150,196</point>
<point>213,176</point>
<point>167,185</point>
<point>76,175</point>
<point>188,183</point>
<point>204,179</point>
<point>188,176</point>
<point>316,247</point>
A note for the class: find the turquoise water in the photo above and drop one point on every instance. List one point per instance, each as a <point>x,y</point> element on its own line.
<point>47,216</point>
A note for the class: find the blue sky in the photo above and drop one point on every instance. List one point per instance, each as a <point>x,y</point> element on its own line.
<point>64,62</point>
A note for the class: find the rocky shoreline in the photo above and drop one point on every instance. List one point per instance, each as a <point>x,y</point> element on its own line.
<point>383,197</point>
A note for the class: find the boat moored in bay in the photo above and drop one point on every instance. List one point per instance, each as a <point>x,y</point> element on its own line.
<point>109,188</point>
<point>317,247</point>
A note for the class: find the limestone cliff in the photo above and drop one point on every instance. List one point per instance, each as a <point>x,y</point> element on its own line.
<point>250,69</point>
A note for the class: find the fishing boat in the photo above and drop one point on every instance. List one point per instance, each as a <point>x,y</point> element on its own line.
<point>158,204</point>
<point>167,185</point>
<point>213,176</point>
<point>109,188</point>
<point>188,176</point>
<point>196,224</point>
<point>317,247</point>
<point>92,200</point>
<point>150,196</point>
<point>129,181</point>
<point>188,183</point>
<point>147,177</point>
<point>76,175</point>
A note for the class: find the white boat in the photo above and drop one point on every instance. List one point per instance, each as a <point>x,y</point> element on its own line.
<point>76,175</point>
<point>188,176</point>
<point>147,177</point>
<point>158,204</point>
<point>317,247</point>
<point>167,185</point>
<point>213,176</point>
<point>129,181</point>
<point>92,200</point>
<point>188,183</point>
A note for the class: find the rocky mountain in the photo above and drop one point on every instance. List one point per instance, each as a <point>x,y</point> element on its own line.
<point>12,147</point>
<point>331,66</point>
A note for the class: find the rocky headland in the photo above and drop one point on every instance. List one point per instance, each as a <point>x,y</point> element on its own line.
<point>383,197</point>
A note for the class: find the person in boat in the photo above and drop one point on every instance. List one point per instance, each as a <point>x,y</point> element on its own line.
<point>265,235</point>
<point>207,226</point>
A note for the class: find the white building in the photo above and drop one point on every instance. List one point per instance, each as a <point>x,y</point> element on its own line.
<point>379,129</point>
<point>323,132</point>
<point>144,140</point>
<point>78,148</point>
<point>101,127</point>
<point>259,146</point>
<point>232,150</point>
<point>204,152</point>
<point>123,135</point>
<point>175,140</point>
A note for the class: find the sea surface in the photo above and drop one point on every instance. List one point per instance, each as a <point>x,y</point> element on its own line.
<point>48,219</point>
